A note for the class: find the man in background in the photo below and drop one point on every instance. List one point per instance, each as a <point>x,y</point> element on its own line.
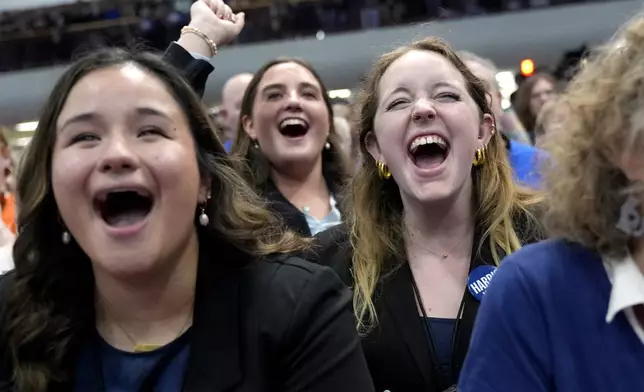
<point>231,100</point>
<point>522,155</point>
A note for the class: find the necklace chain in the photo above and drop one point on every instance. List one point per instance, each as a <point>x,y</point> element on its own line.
<point>441,255</point>
<point>147,347</point>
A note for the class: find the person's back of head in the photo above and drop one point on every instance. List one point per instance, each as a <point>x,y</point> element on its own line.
<point>595,135</point>
<point>232,95</point>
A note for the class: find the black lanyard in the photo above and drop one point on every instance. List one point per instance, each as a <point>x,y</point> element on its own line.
<point>152,377</point>
<point>430,336</point>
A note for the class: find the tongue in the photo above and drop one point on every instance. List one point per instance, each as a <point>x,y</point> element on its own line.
<point>429,161</point>
<point>126,218</point>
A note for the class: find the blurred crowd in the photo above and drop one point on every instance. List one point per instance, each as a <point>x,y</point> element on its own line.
<point>44,37</point>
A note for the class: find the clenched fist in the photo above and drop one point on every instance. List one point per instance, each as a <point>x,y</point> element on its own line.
<point>216,20</point>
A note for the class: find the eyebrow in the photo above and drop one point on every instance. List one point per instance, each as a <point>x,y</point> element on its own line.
<point>398,90</point>
<point>403,89</point>
<point>84,117</point>
<point>148,111</point>
<point>282,86</point>
<point>93,116</point>
<point>446,84</point>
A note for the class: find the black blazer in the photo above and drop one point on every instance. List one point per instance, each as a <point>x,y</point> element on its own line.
<point>397,350</point>
<point>195,71</point>
<point>293,218</point>
<point>274,324</point>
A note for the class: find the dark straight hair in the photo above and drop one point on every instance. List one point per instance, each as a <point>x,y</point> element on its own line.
<point>51,296</point>
<point>257,170</point>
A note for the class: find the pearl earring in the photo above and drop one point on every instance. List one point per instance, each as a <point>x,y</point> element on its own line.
<point>67,238</point>
<point>203,218</point>
<point>327,146</point>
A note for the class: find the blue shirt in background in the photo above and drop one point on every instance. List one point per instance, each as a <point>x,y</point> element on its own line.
<point>542,328</point>
<point>228,145</point>
<point>125,371</point>
<point>525,160</point>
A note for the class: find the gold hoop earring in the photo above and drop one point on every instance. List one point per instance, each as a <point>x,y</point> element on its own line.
<point>479,157</point>
<point>383,171</point>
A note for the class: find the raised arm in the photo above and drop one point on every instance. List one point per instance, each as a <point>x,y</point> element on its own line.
<point>191,54</point>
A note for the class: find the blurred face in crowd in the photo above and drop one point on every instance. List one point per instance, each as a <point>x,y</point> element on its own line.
<point>290,119</point>
<point>427,127</point>
<point>232,96</point>
<point>542,92</point>
<point>342,110</point>
<point>343,129</point>
<point>6,168</point>
<point>124,171</point>
<point>487,75</point>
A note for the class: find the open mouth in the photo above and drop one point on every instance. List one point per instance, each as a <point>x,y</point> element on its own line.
<point>293,127</point>
<point>428,152</point>
<point>124,207</point>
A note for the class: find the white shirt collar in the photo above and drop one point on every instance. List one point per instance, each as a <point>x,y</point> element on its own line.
<point>628,285</point>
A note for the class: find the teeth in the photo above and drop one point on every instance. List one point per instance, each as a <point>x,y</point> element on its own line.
<point>432,139</point>
<point>293,121</point>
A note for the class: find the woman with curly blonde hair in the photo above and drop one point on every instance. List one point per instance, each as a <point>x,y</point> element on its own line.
<point>567,314</point>
<point>433,203</point>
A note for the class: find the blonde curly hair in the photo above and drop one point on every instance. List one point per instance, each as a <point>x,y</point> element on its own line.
<point>595,120</point>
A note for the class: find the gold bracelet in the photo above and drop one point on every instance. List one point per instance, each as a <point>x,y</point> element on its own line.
<point>211,44</point>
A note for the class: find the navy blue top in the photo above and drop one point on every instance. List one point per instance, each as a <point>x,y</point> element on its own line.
<point>542,327</point>
<point>443,333</point>
<point>125,371</point>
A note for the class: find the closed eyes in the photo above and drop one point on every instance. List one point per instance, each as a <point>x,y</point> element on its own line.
<point>149,131</point>
<point>443,97</point>
<point>84,137</point>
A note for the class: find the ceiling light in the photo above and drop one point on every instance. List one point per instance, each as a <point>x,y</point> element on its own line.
<point>342,93</point>
<point>27,126</point>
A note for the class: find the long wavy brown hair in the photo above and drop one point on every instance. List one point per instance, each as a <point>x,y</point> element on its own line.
<point>257,170</point>
<point>375,207</point>
<point>52,292</point>
<point>597,118</point>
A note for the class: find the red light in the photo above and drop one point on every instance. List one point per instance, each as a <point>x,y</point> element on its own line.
<point>527,67</point>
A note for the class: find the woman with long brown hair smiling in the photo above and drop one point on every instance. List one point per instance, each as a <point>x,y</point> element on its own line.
<point>287,136</point>
<point>145,263</point>
<point>431,212</point>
